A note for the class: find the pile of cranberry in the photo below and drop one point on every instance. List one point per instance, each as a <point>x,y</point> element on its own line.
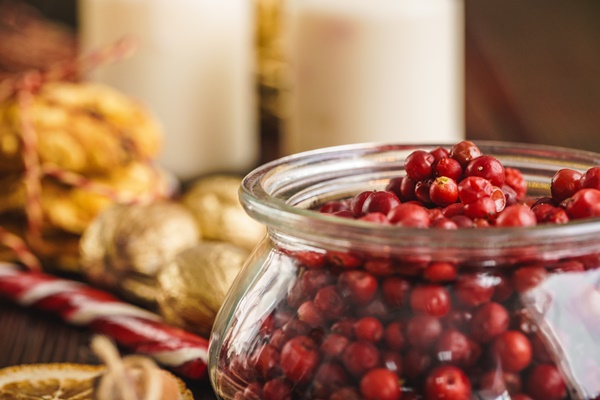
<point>355,327</point>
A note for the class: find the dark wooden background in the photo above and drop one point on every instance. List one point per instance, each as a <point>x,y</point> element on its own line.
<point>532,75</point>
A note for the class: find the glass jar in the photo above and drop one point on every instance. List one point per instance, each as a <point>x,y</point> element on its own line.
<point>327,306</point>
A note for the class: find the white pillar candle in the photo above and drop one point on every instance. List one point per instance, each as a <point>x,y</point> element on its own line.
<point>374,71</point>
<point>193,69</point>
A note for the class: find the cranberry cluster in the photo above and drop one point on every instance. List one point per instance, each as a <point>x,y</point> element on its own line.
<point>374,328</point>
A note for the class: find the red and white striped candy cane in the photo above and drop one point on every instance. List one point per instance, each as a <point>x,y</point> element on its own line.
<point>132,327</point>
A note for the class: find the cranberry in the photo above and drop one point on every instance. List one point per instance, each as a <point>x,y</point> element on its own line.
<point>415,363</point>
<point>359,357</point>
<point>545,382</point>
<point>419,165</point>
<point>474,289</point>
<point>459,319</point>
<point>395,291</point>
<point>422,331</point>
<point>369,329</point>
<point>591,178</point>
<point>473,188</point>
<point>487,167</point>
<point>453,210</point>
<point>299,359</point>
<point>295,327</point>
<point>376,217</point>
<point>540,351</point>
<point>439,153</point>
<point>443,223</point>
<point>526,278</point>
<point>430,299</point>
<point>410,215</point>
<point>254,391</point>
<point>343,259</point>
<point>584,204</point>
<point>513,350</point>
<point>330,302</point>
<point>359,286</point>
<point>549,214</point>
<point>313,280</point>
<point>520,396</point>
<point>357,202</point>
<point>443,191</point>
<point>447,382</point>
<point>266,361</point>
<point>464,152</point>
<point>334,345</point>
<point>510,195</point>
<point>564,184</point>
<point>499,198</point>
<point>440,272</point>
<point>329,377</point>
<point>422,190</point>
<point>489,320</point>
<point>503,289</point>
<point>310,259</point>
<point>344,327</point>
<point>462,221</point>
<point>333,206</point>
<point>379,266</point>
<point>380,384</point>
<point>381,202</point>
<point>448,167</point>
<point>516,215</point>
<point>308,312</point>
<point>376,308</point>
<point>407,189</point>
<point>344,214</point>
<point>394,186</point>
<point>483,207</point>
<point>394,336</point>
<point>516,181</point>
<point>278,339</point>
<point>277,389</point>
<point>345,393</point>
<point>453,347</point>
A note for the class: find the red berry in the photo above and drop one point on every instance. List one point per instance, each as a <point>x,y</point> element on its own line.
<point>526,278</point>
<point>299,358</point>
<point>591,178</point>
<point>464,152</point>
<point>359,357</point>
<point>496,383</point>
<point>415,363</point>
<point>369,329</point>
<point>277,389</point>
<point>394,186</point>
<point>487,167</point>
<point>308,312</point>
<point>422,331</point>
<point>545,382</point>
<point>453,347</point>
<point>410,215</point>
<point>380,384</point>
<point>439,153</point>
<point>473,188</point>
<point>440,272</point>
<point>564,184</point>
<point>266,361</point>
<point>489,320</point>
<point>430,299</point>
<point>448,167</point>
<point>407,189</point>
<point>513,351</point>
<point>447,382</point>
<point>357,202</point>
<point>329,377</point>
<point>584,204</point>
<point>330,302</point>
<point>345,393</point>
<point>376,217</point>
<point>549,214</point>
<point>419,165</point>
<point>483,207</point>
<point>499,198</point>
<point>394,336</point>
<point>379,202</point>
<point>310,259</point>
<point>334,345</point>
<point>516,181</point>
<point>359,286</point>
<point>474,289</point>
<point>515,216</point>
<point>395,291</point>
<point>392,361</point>
<point>443,191</point>
<point>344,327</point>
<point>333,206</point>
<point>443,223</point>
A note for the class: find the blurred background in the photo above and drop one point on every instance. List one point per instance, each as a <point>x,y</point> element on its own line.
<point>531,71</point>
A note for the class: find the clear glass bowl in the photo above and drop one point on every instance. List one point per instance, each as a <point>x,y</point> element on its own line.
<point>298,324</point>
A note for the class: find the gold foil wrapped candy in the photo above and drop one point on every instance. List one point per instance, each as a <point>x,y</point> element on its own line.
<point>192,287</point>
<point>127,245</point>
<point>214,202</point>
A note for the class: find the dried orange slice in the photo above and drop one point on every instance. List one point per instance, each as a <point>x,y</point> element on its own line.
<point>48,382</point>
<point>60,381</point>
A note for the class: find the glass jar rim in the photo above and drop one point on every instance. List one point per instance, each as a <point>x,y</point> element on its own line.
<point>270,194</point>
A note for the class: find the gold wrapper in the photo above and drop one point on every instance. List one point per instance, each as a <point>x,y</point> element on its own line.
<point>127,245</point>
<point>82,127</point>
<point>216,207</point>
<point>192,287</point>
